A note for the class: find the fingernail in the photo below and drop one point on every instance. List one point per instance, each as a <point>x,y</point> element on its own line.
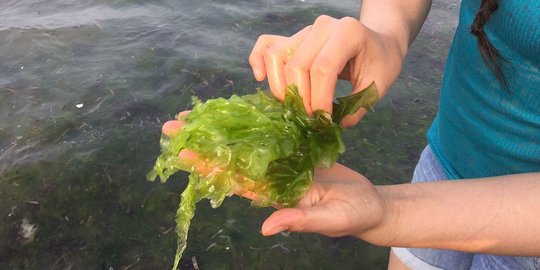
<point>187,155</point>
<point>257,73</point>
<point>274,230</point>
<point>184,113</point>
<point>171,127</point>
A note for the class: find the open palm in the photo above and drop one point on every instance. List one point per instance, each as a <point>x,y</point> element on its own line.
<point>340,202</point>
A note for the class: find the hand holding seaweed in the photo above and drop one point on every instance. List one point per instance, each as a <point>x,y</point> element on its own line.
<point>340,202</point>
<point>192,159</point>
<point>254,145</point>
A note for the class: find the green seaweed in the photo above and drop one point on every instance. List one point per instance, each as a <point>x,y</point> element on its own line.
<point>253,143</point>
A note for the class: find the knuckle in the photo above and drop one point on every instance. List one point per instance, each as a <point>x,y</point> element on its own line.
<point>294,66</point>
<point>253,58</point>
<point>348,20</point>
<point>272,52</point>
<point>263,38</point>
<point>352,25</point>
<point>323,19</point>
<point>323,67</point>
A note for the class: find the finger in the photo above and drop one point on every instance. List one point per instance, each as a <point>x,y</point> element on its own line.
<point>248,195</point>
<point>201,166</point>
<point>281,220</point>
<point>351,120</point>
<point>274,61</point>
<point>183,113</point>
<point>256,59</point>
<point>311,219</point>
<point>171,127</point>
<point>188,155</point>
<point>286,51</point>
<point>297,69</point>
<point>330,62</point>
<point>275,58</point>
<point>192,159</point>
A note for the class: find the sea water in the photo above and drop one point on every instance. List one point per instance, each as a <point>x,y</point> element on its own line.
<point>84,89</point>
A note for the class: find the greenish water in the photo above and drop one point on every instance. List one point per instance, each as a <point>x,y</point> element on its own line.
<point>84,89</point>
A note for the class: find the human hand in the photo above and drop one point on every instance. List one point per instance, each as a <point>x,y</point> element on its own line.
<point>315,57</point>
<point>340,202</point>
<point>192,159</point>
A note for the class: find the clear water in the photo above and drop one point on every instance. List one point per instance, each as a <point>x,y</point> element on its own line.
<point>84,89</point>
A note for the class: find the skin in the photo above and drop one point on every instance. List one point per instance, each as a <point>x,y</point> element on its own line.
<point>498,215</point>
<point>364,51</point>
<point>361,51</point>
<point>191,158</point>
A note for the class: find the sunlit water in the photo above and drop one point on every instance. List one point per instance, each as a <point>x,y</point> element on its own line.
<point>84,89</point>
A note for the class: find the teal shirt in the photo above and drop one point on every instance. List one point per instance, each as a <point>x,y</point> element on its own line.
<point>481,128</point>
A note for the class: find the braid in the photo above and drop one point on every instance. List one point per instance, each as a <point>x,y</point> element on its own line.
<point>490,54</point>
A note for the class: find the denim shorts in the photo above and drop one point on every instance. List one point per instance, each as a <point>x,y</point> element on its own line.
<point>429,169</point>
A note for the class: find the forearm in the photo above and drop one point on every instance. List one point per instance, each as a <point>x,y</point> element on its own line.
<point>398,19</point>
<point>499,215</point>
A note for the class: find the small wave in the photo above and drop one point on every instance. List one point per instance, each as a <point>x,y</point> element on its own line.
<point>22,18</point>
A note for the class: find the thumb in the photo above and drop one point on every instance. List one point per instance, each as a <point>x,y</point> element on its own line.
<point>310,219</point>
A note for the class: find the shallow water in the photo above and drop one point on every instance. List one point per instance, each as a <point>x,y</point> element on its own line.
<point>84,89</point>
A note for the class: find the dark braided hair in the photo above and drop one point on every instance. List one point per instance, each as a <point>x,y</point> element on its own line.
<point>490,54</point>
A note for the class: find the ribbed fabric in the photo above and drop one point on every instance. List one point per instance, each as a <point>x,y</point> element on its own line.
<point>483,129</point>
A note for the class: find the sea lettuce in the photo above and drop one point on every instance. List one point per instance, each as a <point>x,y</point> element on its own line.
<point>257,143</point>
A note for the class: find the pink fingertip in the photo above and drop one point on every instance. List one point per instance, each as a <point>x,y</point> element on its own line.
<point>259,75</point>
<point>272,230</point>
<point>171,127</point>
<point>181,115</point>
<point>277,222</point>
<point>249,195</point>
<point>186,154</point>
<point>308,109</point>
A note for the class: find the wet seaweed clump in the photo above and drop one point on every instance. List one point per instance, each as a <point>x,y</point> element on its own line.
<point>253,143</point>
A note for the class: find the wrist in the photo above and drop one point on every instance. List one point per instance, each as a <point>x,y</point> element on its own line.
<point>396,19</point>
<point>387,57</point>
<point>393,44</point>
<point>386,233</point>
<point>394,41</point>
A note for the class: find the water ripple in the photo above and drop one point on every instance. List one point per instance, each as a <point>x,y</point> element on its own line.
<point>26,17</point>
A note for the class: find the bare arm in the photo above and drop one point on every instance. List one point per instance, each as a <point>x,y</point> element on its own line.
<point>499,215</point>
<point>399,19</point>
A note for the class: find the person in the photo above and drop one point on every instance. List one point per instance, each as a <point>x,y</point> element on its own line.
<point>486,133</point>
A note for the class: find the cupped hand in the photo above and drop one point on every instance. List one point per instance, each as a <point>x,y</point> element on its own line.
<point>315,57</point>
<point>340,202</point>
<point>191,158</point>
